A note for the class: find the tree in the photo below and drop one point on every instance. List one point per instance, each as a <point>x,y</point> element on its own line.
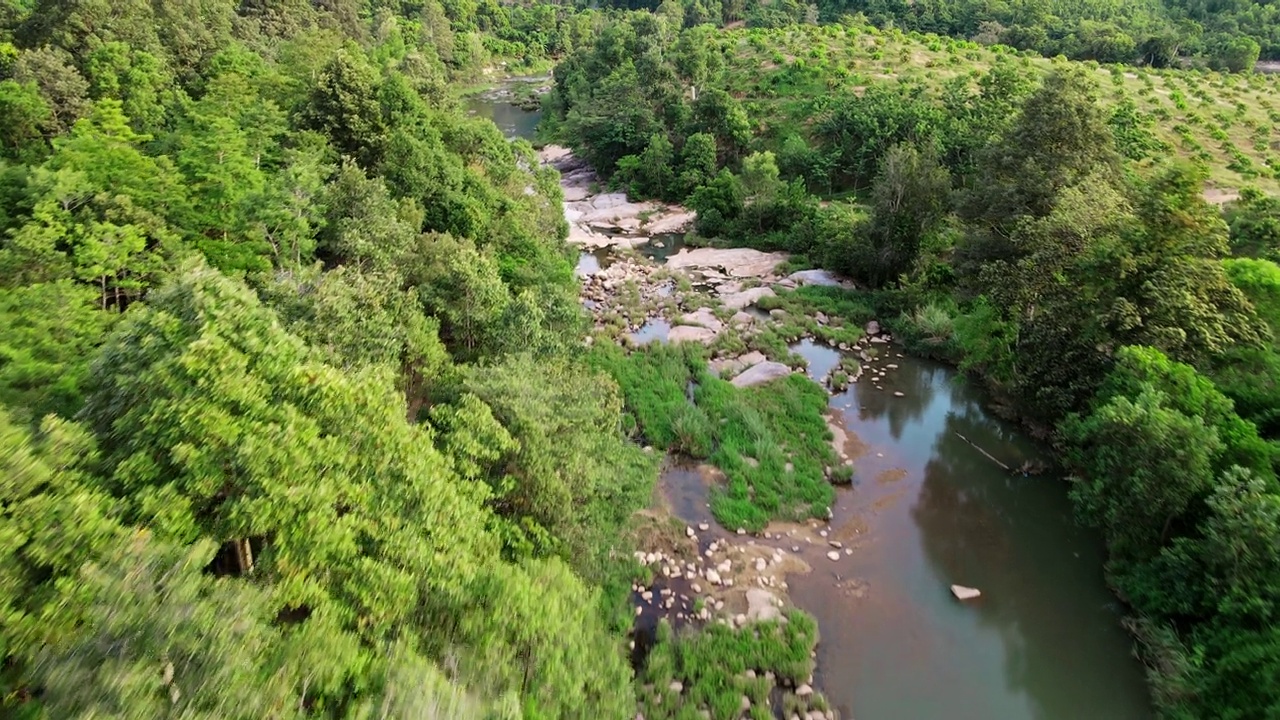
<point>1141,465</point>
<point>61,85</point>
<point>51,331</point>
<point>343,105</point>
<point>215,423</point>
<point>100,210</point>
<point>910,198</point>
<point>535,631</point>
<point>24,119</point>
<point>1238,54</point>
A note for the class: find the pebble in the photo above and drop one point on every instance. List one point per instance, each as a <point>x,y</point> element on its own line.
<point>802,691</point>
<point>835,544</point>
<point>703,527</point>
<point>834,555</point>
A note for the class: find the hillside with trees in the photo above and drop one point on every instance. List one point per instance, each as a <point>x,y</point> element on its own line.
<point>291,426</point>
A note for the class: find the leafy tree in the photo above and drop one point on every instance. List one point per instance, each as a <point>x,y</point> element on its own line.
<point>1142,464</point>
<point>382,535</point>
<point>24,119</point>
<point>61,85</point>
<point>910,197</point>
<point>343,105</point>
<point>535,631</point>
<point>50,333</point>
<point>99,211</point>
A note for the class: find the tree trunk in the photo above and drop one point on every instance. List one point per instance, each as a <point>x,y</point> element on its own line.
<point>244,555</point>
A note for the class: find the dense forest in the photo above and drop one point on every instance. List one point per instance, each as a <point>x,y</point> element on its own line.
<point>292,425</point>
<point>1042,240</point>
<point>296,414</point>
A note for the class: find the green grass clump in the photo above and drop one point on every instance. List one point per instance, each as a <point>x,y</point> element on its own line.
<point>781,427</point>
<point>771,441</point>
<point>711,667</point>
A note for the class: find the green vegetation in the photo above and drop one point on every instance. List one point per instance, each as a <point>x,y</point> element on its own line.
<point>294,423</point>
<point>717,667</point>
<point>771,441</point>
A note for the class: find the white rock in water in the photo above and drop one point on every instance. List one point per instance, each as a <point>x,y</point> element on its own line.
<point>965,593</point>
<point>834,555</point>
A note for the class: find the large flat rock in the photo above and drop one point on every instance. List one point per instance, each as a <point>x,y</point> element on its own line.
<point>815,277</point>
<point>740,300</point>
<point>736,262</point>
<point>675,219</point>
<point>761,373</point>
<point>690,333</point>
<point>705,318</point>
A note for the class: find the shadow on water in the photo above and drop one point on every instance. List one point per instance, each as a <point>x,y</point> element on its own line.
<point>1042,643</point>
<point>662,246</point>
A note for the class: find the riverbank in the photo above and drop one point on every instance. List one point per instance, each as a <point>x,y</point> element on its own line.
<point>884,594</point>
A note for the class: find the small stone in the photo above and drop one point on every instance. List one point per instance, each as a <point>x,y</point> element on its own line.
<point>739,619</point>
<point>965,593</point>
<point>713,577</point>
<point>703,527</point>
<point>834,555</point>
<point>750,674</point>
<point>835,544</point>
<point>823,533</point>
<point>647,595</point>
<point>639,610</point>
<point>696,588</point>
<point>688,531</point>
<point>795,548</point>
<point>676,686</point>
<point>804,690</point>
<point>745,705</point>
<point>899,393</point>
<point>761,564</point>
<point>741,531</point>
<point>848,551</point>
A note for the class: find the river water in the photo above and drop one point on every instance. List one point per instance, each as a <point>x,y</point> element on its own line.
<point>928,510</point>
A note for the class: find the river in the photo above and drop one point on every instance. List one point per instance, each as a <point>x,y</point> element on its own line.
<point>927,510</point>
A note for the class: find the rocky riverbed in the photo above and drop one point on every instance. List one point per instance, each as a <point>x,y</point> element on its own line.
<point>712,296</point>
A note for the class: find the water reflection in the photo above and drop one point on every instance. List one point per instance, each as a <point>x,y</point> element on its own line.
<point>655,329</point>
<point>511,120</point>
<point>1042,643</point>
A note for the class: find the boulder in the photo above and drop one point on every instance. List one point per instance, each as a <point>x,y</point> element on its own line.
<point>674,219</point>
<point>814,277</point>
<point>965,593</point>
<point>705,318</point>
<point>758,373</point>
<point>762,605</point>
<point>742,318</point>
<point>737,262</point>
<point>745,298</point>
<point>689,333</point>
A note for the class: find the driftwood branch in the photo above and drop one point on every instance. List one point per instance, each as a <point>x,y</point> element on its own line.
<point>989,456</point>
